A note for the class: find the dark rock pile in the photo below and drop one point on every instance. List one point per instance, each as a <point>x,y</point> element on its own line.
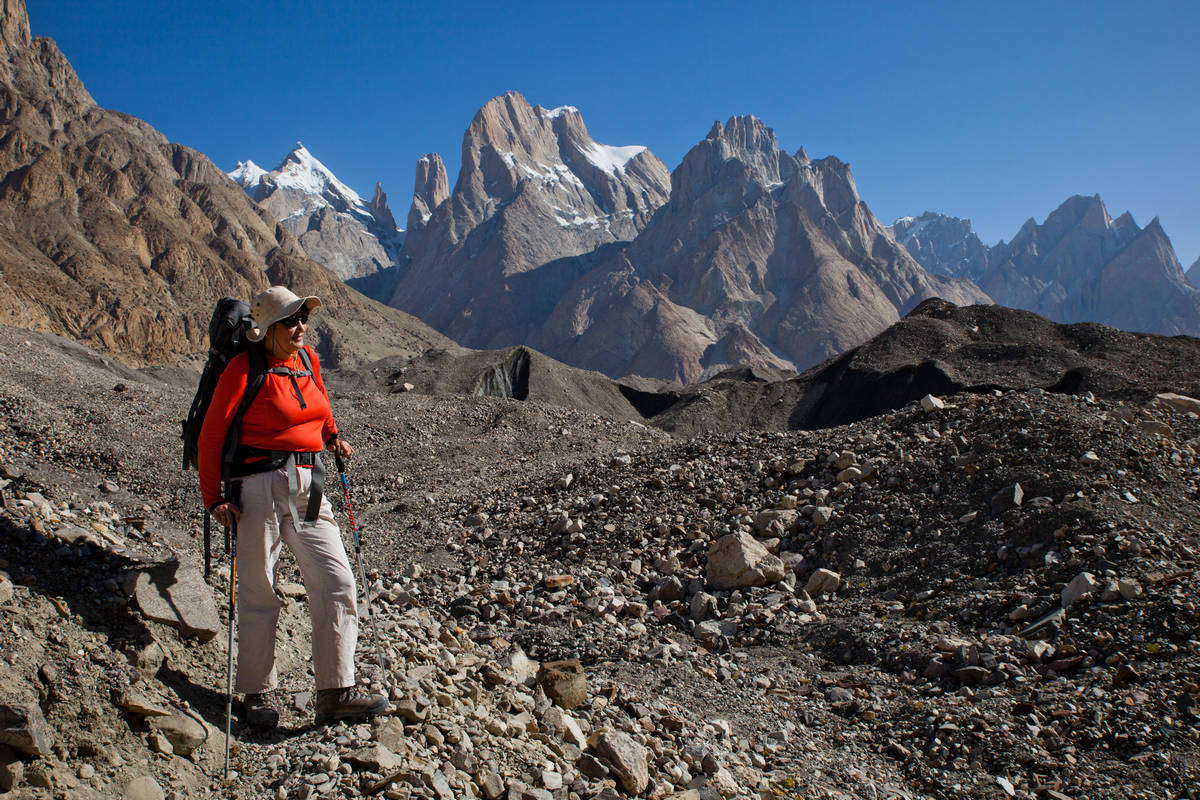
<point>980,595</point>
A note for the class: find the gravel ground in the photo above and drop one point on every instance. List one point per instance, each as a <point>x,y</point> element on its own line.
<point>922,627</point>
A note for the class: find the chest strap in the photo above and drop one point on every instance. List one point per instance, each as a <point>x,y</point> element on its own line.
<point>293,375</point>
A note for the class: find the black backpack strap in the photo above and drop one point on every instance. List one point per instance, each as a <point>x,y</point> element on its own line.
<point>256,375</point>
<point>293,374</point>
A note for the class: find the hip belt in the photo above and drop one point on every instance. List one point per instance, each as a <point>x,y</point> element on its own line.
<point>253,460</point>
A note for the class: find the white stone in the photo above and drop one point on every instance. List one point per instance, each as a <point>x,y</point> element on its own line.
<point>566,725</point>
<point>821,515</point>
<point>930,403</point>
<point>850,475</point>
<point>1080,586</point>
<point>143,788</point>
<point>1129,588</point>
<point>738,559</point>
<point>1179,402</point>
<point>823,581</point>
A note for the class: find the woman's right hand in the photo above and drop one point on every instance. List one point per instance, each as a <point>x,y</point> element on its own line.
<point>226,513</point>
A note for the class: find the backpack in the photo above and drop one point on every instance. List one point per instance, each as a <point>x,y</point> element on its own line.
<point>226,338</point>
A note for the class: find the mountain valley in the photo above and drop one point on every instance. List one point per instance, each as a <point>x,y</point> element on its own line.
<point>698,484</point>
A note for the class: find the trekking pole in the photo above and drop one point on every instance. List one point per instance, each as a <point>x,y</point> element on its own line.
<point>207,547</point>
<point>232,531</point>
<point>362,572</point>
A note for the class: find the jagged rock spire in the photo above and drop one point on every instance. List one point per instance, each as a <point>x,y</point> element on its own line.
<point>378,207</point>
<point>430,188</point>
<point>14,24</point>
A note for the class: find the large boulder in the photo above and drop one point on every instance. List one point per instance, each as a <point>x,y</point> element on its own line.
<point>738,559</point>
<point>564,682</point>
<point>185,734</point>
<point>23,728</point>
<point>624,757</point>
<point>177,595</point>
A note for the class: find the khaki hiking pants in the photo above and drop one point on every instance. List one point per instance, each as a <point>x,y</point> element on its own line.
<point>265,525</point>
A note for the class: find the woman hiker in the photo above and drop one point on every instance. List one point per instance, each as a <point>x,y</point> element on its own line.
<point>275,495</point>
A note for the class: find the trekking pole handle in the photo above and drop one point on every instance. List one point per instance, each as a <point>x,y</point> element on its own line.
<point>341,465</point>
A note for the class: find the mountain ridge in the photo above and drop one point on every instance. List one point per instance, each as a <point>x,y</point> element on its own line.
<point>120,239</point>
<point>1079,264</point>
<point>338,228</point>
<point>686,293</point>
<point>533,189</point>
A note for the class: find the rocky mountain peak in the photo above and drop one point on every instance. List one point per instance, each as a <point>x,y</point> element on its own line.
<point>301,172</point>
<point>247,174</point>
<point>378,206</point>
<point>1095,217</point>
<point>1078,211</point>
<point>747,135</point>
<point>1125,225</point>
<point>116,237</point>
<point>1079,265</point>
<point>511,146</point>
<point>742,153</point>
<point>943,245</point>
<point>756,259</point>
<point>336,227</point>
<point>534,188</point>
<point>14,25</point>
<point>1193,274</point>
<point>431,188</point>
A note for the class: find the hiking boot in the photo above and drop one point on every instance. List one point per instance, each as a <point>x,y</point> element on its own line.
<point>261,711</point>
<point>335,704</point>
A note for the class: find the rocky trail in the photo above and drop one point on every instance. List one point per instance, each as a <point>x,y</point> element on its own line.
<point>982,595</point>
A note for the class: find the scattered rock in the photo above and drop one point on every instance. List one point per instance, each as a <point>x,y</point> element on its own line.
<point>929,403</point>
<point>185,734</point>
<point>23,728</point>
<point>1179,402</point>
<point>1080,586</point>
<point>137,703</point>
<point>143,788</point>
<point>738,559</point>
<point>625,757</point>
<point>177,595</point>
<point>375,758</point>
<point>822,581</point>
<point>563,682</point>
<point>555,582</point>
<point>1006,498</point>
<point>559,720</point>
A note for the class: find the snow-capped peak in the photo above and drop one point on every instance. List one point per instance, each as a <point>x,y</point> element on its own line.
<point>301,171</point>
<point>247,174</point>
<point>555,113</point>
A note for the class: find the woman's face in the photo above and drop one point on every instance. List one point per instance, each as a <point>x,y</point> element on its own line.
<point>287,336</point>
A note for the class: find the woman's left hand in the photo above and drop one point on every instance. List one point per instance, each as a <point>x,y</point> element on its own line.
<point>341,448</point>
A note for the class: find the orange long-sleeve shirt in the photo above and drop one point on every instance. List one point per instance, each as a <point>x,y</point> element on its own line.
<point>274,421</point>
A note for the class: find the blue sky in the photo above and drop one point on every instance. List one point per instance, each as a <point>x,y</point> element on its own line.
<point>993,111</point>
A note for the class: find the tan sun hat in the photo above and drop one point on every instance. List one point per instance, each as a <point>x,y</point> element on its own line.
<point>276,303</point>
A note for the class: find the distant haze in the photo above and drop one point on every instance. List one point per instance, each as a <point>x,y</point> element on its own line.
<point>993,113</point>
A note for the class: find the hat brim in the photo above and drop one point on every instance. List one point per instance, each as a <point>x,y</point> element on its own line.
<point>259,332</point>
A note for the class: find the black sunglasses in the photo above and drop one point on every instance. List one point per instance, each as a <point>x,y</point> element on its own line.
<point>294,320</point>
